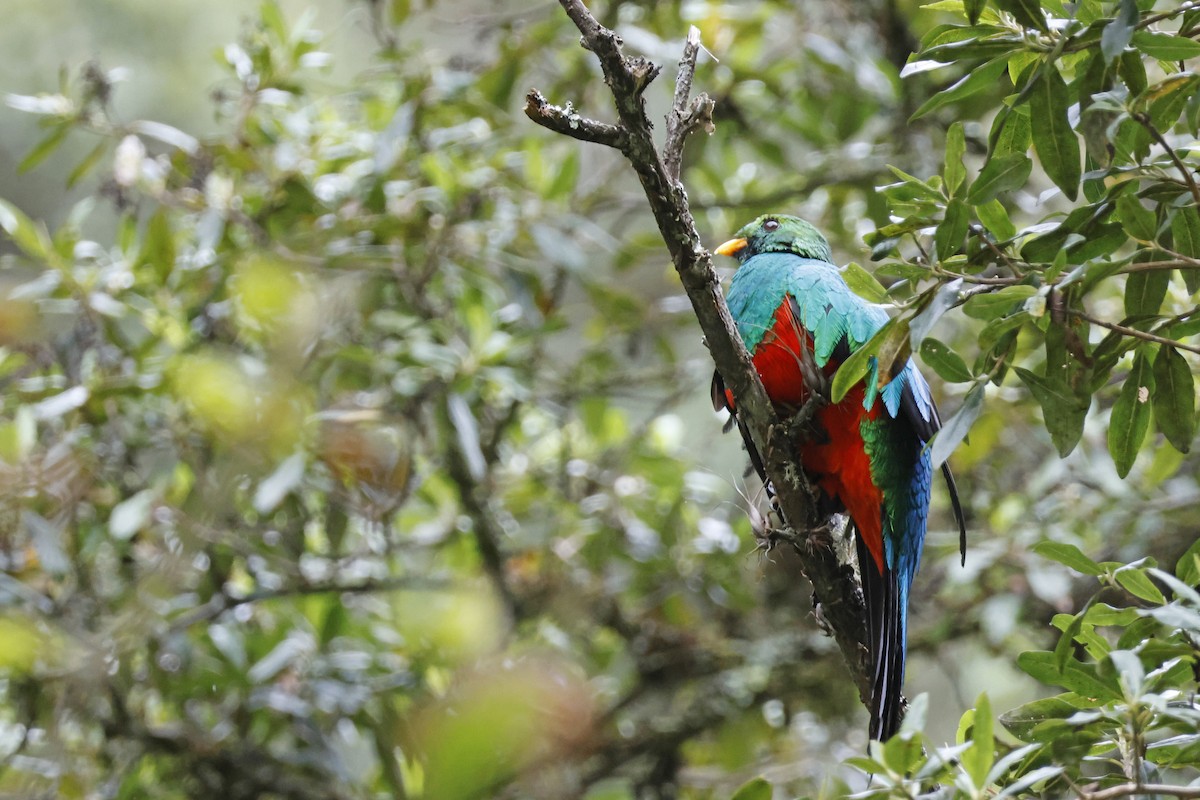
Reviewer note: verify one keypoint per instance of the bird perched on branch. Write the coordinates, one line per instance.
(866, 453)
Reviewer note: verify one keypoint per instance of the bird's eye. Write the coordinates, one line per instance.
(771, 225)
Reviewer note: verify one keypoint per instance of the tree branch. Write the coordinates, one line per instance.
(627, 77)
(1133, 788)
(569, 123)
(1134, 332)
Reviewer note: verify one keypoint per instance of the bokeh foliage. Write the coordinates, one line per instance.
(360, 450)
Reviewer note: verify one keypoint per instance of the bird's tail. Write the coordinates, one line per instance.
(886, 607)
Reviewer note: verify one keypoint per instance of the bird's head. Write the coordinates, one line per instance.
(777, 233)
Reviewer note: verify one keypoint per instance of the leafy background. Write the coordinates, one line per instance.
(355, 433)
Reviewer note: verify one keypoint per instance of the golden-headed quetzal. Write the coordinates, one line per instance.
(867, 453)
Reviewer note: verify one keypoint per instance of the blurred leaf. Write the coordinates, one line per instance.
(286, 477)
(31, 237)
(754, 789)
(87, 164)
(466, 430)
(132, 514)
(45, 147)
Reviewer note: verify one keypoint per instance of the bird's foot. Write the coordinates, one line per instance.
(819, 616)
(819, 538)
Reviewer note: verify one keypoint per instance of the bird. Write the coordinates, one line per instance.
(867, 453)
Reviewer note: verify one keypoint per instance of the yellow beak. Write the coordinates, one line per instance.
(731, 248)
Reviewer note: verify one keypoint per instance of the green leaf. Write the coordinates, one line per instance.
(1010, 132)
(45, 147)
(1027, 12)
(1117, 34)
(1021, 721)
(1174, 398)
(26, 234)
(754, 789)
(1185, 231)
(955, 429)
(863, 283)
(878, 354)
(1000, 174)
(1101, 614)
(1018, 787)
(975, 81)
(973, 8)
(954, 172)
(1137, 220)
(1063, 409)
(1130, 418)
(952, 230)
(977, 760)
(1054, 140)
(87, 164)
(1145, 291)
(999, 303)
(1065, 647)
(995, 218)
(1166, 46)
(944, 298)
(1077, 677)
(1068, 555)
(1187, 569)
(948, 364)
(1138, 583)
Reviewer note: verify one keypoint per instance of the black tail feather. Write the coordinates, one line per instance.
(958, 512)
(881, 595)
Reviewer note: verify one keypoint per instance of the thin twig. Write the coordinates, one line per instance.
(1133, 788)
(1150, 266)
(220, 603)
(1144, 121)
(685, 116)
(569, 123)
(1134, 332)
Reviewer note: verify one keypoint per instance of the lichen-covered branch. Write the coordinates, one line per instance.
(628, 77)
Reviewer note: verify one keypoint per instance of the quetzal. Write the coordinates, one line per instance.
(867, 453)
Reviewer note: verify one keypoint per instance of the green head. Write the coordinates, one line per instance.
(777, 233)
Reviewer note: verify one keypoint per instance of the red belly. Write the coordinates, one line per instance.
(837, 462)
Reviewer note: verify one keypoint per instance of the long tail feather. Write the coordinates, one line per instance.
(886, 610)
